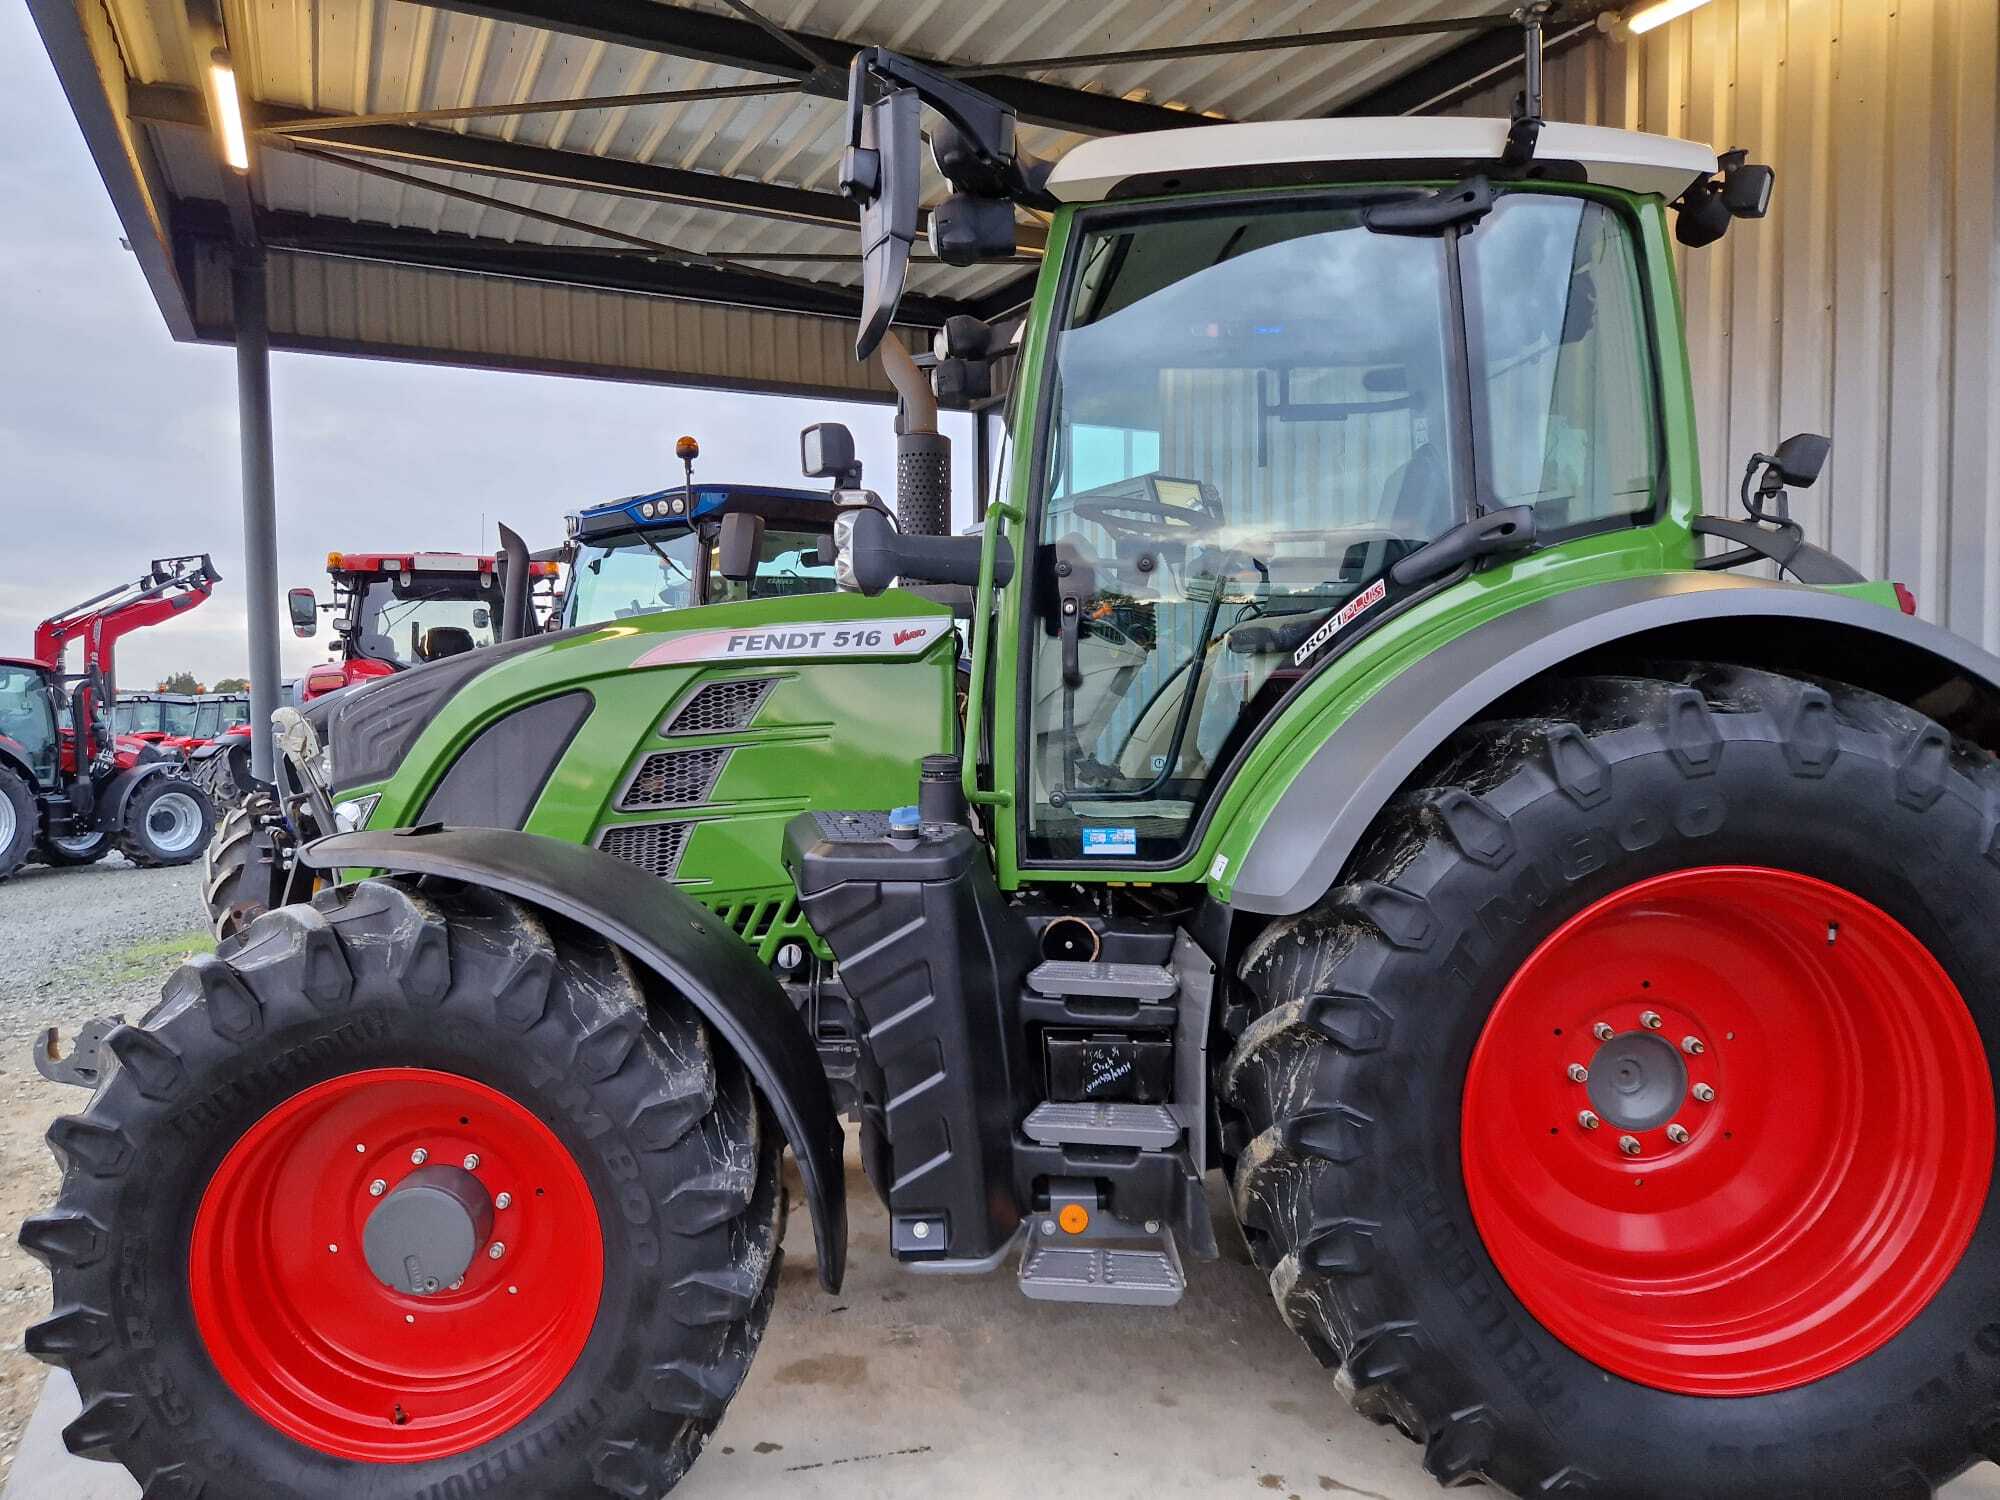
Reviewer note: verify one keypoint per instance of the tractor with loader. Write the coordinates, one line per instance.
(71, 790)
(1573, 948)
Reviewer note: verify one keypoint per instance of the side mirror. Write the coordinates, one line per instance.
(737, 546)
(1800, 457)
(305, 611)
(826, 451)
(879, 170)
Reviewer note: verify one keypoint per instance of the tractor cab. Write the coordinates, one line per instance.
(397, 610)
(664, 550)
(30, 716)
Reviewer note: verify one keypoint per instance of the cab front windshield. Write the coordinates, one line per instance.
(1256, 413)
(426, 620)
(623, 576)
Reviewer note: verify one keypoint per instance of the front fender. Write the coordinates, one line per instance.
(682, 942)
(1314, 827)
(111, 802)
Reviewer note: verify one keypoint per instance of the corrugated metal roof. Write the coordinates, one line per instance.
(370, 56)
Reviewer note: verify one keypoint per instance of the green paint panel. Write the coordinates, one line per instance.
(788, 732)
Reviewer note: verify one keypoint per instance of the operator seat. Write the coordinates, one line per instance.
(1416, 502)
(441, 641)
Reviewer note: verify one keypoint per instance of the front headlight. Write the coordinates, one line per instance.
(351, 815)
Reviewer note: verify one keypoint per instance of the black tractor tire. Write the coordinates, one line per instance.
(663, 1124)
(1354, 1026)
(235, 884)
(20, 821)
(224, 776)
(86, 851)
(168, 821)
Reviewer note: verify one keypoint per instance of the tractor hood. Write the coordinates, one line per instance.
(369, 728)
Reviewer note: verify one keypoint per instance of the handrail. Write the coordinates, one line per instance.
(982, 632)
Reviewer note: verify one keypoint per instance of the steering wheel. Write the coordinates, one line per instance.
(1140, 516)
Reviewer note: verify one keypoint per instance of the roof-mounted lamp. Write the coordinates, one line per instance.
(1651, 17)
(226, 107)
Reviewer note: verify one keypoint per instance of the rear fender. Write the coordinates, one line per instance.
(687, 946)
(1314, 827)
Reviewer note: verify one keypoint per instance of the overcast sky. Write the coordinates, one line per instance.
(118, 445)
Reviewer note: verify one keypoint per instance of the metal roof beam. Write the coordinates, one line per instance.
(1473, 65)
(624, 273)
(735, 43)
(161, 104)
(74, 40)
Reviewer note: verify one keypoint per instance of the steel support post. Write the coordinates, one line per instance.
(260, 520)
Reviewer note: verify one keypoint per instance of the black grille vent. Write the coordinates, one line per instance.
(674, 778)
(720, 707)
(654, 847)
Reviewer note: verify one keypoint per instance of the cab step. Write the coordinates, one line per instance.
(1055, 1267)
(1060, 976)
(1151, 1127)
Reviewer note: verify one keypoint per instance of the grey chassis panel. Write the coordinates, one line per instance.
(670, 934)
(1312, 832)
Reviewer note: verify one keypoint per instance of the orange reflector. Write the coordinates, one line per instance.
(1074, 1218)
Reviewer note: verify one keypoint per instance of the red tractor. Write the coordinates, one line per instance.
(393, 610)
(69, 791)
(183, 723)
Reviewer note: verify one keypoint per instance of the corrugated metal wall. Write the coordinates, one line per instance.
(1867, 306)
(337, 305)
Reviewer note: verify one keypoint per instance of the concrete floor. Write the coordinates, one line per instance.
(909, 1387)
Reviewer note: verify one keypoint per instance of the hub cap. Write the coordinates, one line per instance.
(8, 823)
(173, 822)
(396, 1265)
(1728, 1130)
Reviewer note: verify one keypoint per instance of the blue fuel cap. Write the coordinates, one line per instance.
(904, 819)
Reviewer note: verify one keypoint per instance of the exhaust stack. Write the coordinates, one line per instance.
(923, 454)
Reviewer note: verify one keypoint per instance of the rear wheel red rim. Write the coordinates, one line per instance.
(313, 1342)
(1728, 1130)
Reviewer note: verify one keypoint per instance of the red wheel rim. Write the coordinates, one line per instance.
(1821, 1196)
(316, 1345)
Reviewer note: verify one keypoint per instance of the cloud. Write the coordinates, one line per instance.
(118, 445)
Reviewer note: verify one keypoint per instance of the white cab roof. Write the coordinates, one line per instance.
(1616, 158)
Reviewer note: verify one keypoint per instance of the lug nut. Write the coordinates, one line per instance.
(1650, 1019)
(1629, 1144)
(1705, 1093)
(1693, 1046)
(496, 1250)
(377, 1188)
(419, 1156)
(472, 1163)
(505, 1200)
(1677, 1133)
(1578, 1073)
(1602, 1031)
(1588, 1119)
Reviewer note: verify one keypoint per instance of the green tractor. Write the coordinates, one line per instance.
(1575, 951)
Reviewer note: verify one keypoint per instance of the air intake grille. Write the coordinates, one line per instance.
(674, 778)
(720, 707)
(654, 847)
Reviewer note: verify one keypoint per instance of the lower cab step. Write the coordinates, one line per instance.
(1110, 1261)
(1152, 1127)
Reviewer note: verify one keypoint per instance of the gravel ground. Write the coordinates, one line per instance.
(74, 944)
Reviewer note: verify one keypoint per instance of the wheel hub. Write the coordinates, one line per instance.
(423, 1237)
(1637, 1081)
(396, 1265)
(1728, 1130)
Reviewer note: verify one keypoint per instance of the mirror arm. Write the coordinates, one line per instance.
(985, 127)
